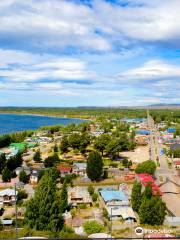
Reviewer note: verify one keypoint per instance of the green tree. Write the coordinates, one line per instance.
(22, 194)
(94, 166)
(56, 148)
(37, 156)
(64, 144)
(23, 177)
(136, 196)
(90, 189)
(148, 166)
(148, 191)
(2, 161)
(6, 175)
(91, 227)
(101, 142)
(14, 162)
(152, 211)
(113, 148)
(50, 161)
(74, 140)
(64, 197)
(95, 196)
(43, 211)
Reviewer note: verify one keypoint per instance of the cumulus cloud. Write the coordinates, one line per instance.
(105, 52)
(20, 66)
(65, 24)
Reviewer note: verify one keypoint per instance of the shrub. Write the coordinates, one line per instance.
(82, 206)
(95, 197)
(91, 227)
(90, 189)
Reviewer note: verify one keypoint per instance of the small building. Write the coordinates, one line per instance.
(79, 168)
(64, 169)
(7, 222)
(124, 213)
(175, 146)
(130, 176)
(79, 195)
(7, 196)
(34, 178)
(113, 197)
(177, 164)
(171, 130)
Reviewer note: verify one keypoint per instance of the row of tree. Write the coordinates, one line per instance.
(150, 208)
(7, 166)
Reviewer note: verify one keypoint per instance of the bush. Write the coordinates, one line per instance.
(22, 194)
(73, 212)
(90, 189)
(115, 165)
(82, 206)
(105, 213)
(23, 177)
(91, 227)
(148, 166)
(95, 197)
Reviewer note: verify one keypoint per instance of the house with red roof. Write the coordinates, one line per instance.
(177, 164)
(144, 179)
(64, 169)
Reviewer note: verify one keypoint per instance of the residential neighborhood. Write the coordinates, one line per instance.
(101, 182)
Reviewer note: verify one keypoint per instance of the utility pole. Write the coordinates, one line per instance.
(16, 226)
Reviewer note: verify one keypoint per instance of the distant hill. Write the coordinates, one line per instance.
(164, 106)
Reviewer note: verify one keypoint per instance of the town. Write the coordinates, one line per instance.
(102, 178)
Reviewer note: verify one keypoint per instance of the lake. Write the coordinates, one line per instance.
(14, 122)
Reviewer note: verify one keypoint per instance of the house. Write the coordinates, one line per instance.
(7, 196)
(79, 168)
(171, 130)
(64, 169)
(177, 164)
(130, 176)
(7, 222)
(124, 213)
(113, 197)
(79, 195)
(34, 178)
(27, 170)
(144, 179)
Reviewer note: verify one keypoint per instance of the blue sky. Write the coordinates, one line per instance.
(89, 52)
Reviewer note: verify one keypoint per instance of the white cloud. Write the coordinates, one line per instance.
(61, 24)
(154, 69)
(24, 67)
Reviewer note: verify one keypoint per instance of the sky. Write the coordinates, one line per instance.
(68, 53)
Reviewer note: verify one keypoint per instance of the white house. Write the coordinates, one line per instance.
(7, 196)
(79, 168)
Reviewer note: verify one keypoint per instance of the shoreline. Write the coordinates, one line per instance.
(45, 115)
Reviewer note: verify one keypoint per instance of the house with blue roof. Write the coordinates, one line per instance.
(114, 197)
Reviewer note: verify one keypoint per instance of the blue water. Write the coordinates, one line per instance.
(13, 122)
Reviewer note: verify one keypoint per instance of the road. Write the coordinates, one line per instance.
(155, 146)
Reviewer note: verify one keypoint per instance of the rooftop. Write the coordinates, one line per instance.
(109, 195)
